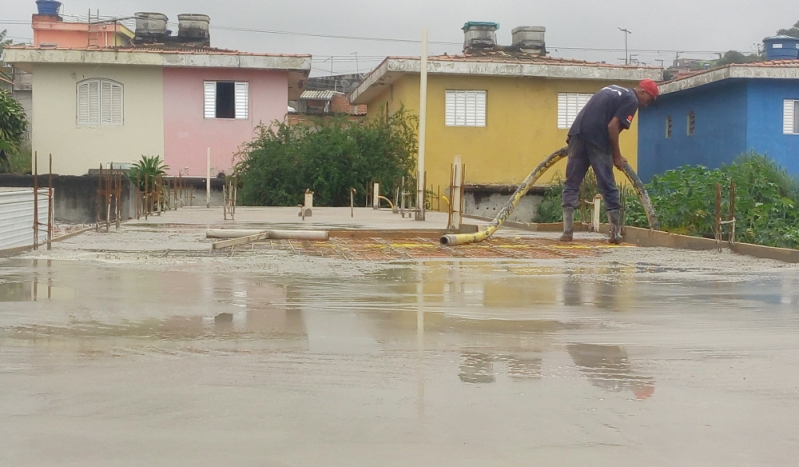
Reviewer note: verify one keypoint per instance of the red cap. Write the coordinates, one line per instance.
(650, 87)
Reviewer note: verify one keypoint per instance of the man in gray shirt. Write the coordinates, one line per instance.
(594, 142)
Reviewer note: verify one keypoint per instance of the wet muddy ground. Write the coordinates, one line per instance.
(114, 353)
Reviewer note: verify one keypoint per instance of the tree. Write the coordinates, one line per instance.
(3, 44)
(793, 32)
(13, 128)
(734, 56)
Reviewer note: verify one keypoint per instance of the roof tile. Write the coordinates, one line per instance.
(163, 49)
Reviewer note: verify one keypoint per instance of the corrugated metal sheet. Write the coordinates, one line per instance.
(318, 95)
(16, 217)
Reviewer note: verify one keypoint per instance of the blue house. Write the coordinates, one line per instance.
(713, 116)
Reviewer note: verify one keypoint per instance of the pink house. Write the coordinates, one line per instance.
(170, 96)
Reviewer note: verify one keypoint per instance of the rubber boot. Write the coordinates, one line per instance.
(568, 225)
(614, 219)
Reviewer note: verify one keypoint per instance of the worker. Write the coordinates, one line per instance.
(594, 141)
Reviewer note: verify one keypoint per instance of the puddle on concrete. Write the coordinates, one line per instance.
(406, 358)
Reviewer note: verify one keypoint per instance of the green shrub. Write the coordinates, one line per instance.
(766, 200)
(328, 157)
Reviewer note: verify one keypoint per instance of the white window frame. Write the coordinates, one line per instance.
(569, 106)
(465, 108)
(790, 117)
(241, 96)
(100, 102)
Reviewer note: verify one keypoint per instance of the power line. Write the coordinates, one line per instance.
(414, 41)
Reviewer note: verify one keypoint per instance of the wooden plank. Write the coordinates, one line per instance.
(240, 241)
(387, 233)
(767, 252)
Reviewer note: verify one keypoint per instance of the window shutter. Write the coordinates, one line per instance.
(117, 105)
(105, 102)
(795, 119)
(450, 105)
(480, 108)
(83, 104)
(562, 111)
(569, 106)
(242, 101)
(465, 108)
(460, 109)
(94, 103)
(788, 116)
(210, 99)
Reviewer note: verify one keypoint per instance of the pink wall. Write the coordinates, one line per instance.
(187, 134)
(50, 30)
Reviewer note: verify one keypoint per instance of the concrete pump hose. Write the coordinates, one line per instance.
(505, 212)
(638, 185)
(462, 239)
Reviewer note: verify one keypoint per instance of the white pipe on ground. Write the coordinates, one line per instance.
(321, 235)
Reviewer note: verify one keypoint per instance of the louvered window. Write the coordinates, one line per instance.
(569, 105)
(465, 108)
(227, 99)
(790, 117)
(100, 102)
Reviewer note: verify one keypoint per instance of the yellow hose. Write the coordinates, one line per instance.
(390, 204)
(504, 213)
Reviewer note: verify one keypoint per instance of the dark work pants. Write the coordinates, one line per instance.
(582, 155)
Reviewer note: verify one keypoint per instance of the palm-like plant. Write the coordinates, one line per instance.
(147, 169)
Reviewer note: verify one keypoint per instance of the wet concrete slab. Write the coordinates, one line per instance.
(330, 218)
(439, 362)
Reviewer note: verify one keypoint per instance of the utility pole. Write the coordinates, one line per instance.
(626, 33)
(420, 168)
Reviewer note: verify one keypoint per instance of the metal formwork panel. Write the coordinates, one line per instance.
(16, 217)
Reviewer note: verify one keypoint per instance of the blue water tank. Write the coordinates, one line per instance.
(48, 7)
(781, 48)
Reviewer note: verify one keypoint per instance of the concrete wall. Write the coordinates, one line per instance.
(75, 198)
(521, 126)
(187, 134)
(720, 128)
(765, 121)
(487, 204)
(76, 149)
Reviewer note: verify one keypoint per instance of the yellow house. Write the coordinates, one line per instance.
(502, 109)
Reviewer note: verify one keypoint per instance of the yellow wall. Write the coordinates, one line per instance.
(76, 149)
(521, 126)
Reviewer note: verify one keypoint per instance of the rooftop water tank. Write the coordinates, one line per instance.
(193, 27)
(781, 48)
(48, 7)
(150, 26)
(479, 35)
(529, 37)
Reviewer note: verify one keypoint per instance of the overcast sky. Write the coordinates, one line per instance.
(573, 26)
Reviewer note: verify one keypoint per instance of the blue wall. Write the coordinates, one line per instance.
(720, 129)
(764, 131)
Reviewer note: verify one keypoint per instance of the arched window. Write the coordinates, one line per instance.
(100, 102)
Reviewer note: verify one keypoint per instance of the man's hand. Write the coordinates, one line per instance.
(619, 161)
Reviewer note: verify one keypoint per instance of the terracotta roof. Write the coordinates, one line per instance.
(505, 63)
(165, 49)
(771, 64)
(774, 69)
(521, 57)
